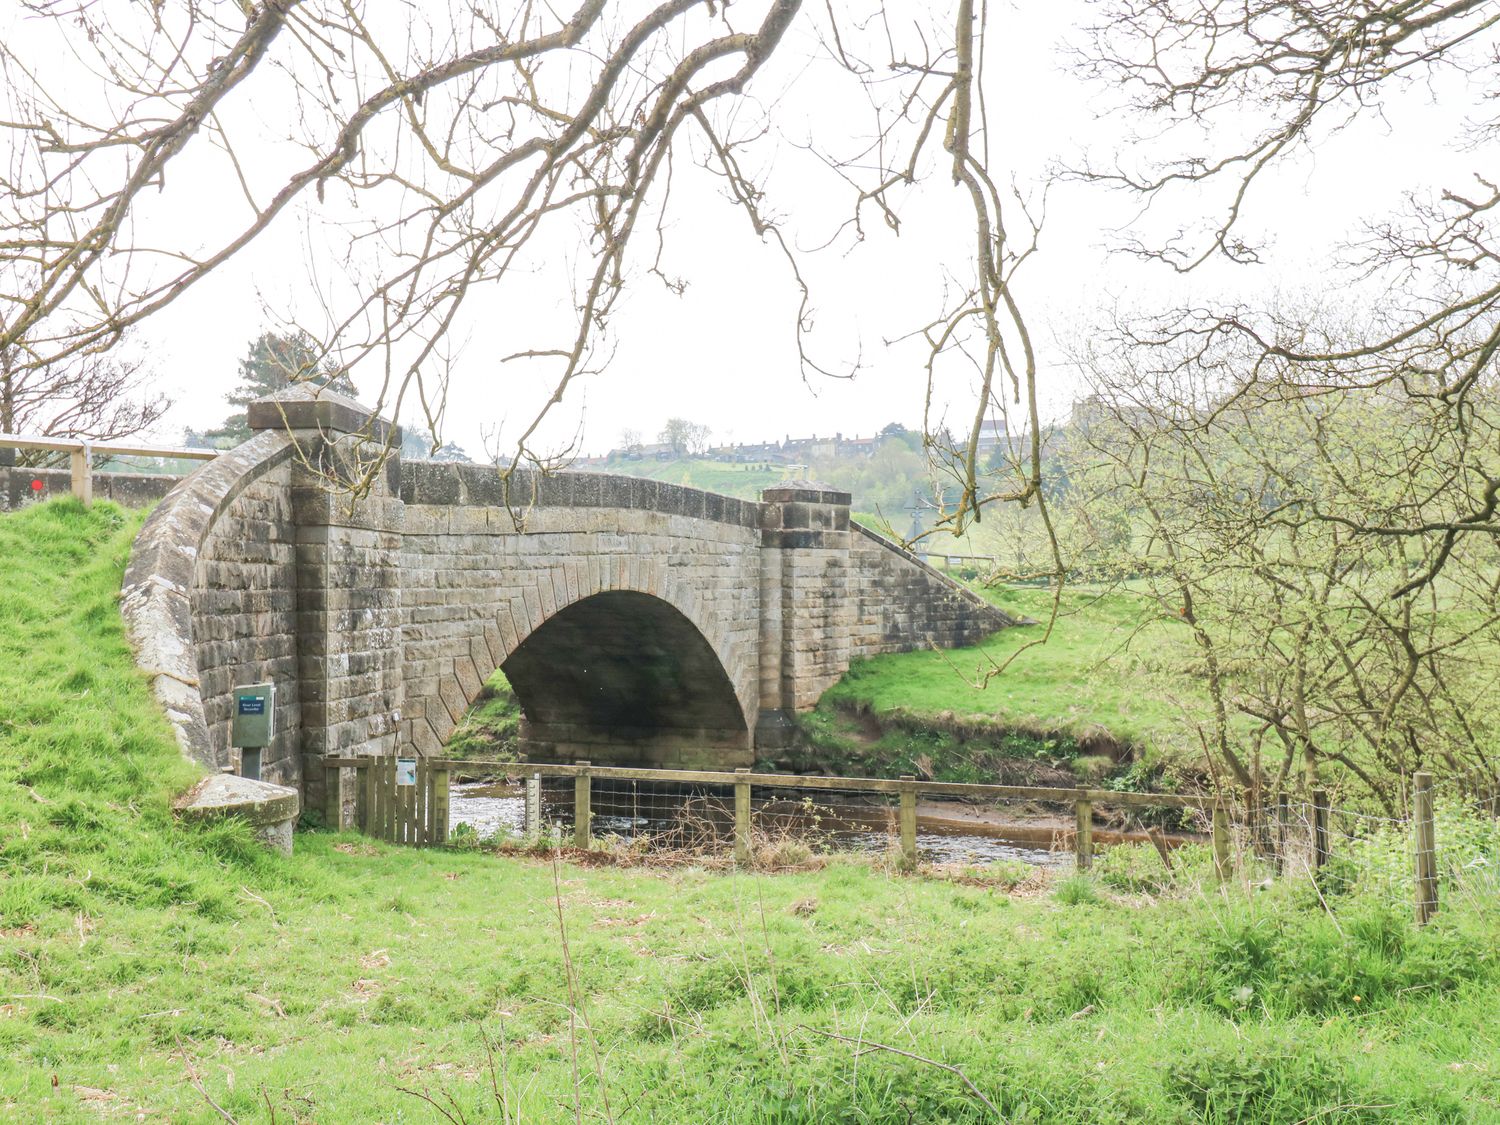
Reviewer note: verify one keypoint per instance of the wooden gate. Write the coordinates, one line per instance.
(402, 800)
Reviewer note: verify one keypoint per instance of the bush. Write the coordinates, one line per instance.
(1077, 891)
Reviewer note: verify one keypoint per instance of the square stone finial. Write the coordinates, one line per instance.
(305, 406)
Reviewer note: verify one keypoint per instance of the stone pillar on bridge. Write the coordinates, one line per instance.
(348, 544)
(807, 617)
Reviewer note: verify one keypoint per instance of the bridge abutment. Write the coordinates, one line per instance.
(806, 615)
(348, 582)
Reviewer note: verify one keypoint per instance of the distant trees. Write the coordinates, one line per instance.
(84, 395)
(630, 441)
(684, 437)
(273, 362)
(417, 445)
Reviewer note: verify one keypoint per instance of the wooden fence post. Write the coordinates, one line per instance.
(581, 813)
(333, 798)
(1320, 828)
(909, 820)
(81, 463)
(364, 797)
(1425, 838)
(742, 817)
(1083, 836)
(1281, 823)
(1221, 842)
(423, 801)
(440, 782)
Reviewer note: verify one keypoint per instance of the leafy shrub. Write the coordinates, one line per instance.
(1077, 891)
(1239, 1081)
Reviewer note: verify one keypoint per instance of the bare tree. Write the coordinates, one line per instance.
(85, 395)
(450, 149)
(1324, 652)
(685, 438)
(1226, 91)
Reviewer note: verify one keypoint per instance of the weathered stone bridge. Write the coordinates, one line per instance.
(637, 621)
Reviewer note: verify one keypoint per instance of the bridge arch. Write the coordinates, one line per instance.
(611, 660)
(622, 674)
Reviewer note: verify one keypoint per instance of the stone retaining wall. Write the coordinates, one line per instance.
(206, 594)
(129, 490)
(902, 603)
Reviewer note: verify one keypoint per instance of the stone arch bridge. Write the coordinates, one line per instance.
(638, 622)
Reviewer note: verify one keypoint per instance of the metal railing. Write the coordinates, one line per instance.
(81, 453)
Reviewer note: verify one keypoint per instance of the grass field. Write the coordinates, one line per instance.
(1082, 682)
(727, 477)
(152, 972)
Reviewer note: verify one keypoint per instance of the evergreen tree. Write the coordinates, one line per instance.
(274, 362)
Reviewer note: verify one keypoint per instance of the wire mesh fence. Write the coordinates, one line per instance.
(779, 821)
(1442, 846)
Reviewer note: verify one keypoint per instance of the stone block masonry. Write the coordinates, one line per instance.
(637, 621)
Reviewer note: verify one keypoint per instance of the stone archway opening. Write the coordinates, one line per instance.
(625, 678)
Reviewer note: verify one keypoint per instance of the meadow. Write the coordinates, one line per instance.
(150, 971)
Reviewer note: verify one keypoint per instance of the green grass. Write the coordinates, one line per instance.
(726, 477)
(491, 728)
(1081, 684)
(137, 956)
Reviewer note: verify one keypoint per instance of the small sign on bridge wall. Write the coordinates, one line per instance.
(406, 771)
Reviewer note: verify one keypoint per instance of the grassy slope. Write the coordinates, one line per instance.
(1080, 681)
(491, 728)
(322, 983)
(727, 477)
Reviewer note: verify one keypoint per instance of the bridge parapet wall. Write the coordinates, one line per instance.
(209, 601)
(488, 562)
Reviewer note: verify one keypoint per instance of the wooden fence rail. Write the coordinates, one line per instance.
(82, 452)
(406, 800)
(381, 808)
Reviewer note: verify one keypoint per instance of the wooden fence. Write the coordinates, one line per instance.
(403, 800)
(81, 454)
(381, 804)
(406, 800)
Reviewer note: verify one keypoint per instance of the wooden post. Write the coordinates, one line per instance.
(909, 820)
(81, 463)
(742, 817)
(364, 807)
(392, 798)
(1425, 838)
(413, 805)
(333, 798)
(533, 826)
(581, 812)
(377, 789)
(1221, 842)
(1281, 823)
(440, 806)
(424, 802)
(1083, 836)
(1320, 828)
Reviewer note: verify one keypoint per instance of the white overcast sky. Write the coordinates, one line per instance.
(722, 354)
